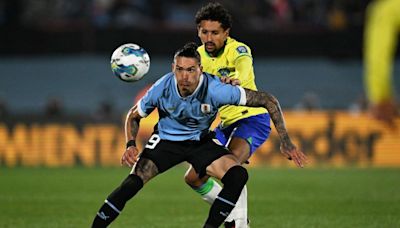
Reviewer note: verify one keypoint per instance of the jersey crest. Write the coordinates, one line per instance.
(205, 108)
(224, 72)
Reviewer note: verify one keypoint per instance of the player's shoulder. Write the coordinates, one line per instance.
(202, 51)
(237, 47)
(211, 79)
(220, 93)
(214, 83)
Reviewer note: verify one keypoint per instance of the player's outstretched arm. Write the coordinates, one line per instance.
(131, 153)
(268, 101)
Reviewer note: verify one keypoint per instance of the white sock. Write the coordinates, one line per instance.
(239, 212)
(209, 192)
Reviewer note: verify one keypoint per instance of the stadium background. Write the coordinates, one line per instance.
(60, 107)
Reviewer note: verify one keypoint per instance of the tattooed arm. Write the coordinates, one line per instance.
(132, 124)
(268, 101)
(132, 120)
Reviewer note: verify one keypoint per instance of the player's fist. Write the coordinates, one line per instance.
(130, 156)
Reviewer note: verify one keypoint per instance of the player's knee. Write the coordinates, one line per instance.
(193, 180)
(188, 178)
(235, 176)
(146, 169)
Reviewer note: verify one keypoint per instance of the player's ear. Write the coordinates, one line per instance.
(227, 31)
(198, 30)
(173, 66)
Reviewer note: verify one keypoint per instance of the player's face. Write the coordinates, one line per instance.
(212, 35)
(187, 73)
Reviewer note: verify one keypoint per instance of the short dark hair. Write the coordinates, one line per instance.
(189, 50)
(214, 11)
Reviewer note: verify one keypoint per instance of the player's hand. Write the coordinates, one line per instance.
(294, 154)
(386, 112)
(130, 156)
(232, 81)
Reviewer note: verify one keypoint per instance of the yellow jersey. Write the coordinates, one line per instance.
(380, 41)
(226, 64)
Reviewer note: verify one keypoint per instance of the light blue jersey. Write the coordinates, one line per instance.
(188, 118)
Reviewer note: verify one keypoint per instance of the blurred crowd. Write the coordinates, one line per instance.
(178, 14)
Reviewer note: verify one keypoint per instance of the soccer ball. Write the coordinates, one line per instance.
(130, 62)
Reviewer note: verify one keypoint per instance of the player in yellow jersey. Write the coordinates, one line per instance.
(242, 129)
(382, 29)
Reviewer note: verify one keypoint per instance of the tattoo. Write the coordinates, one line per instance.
(268, 101)
(145, 169)
(134, 127)
(132, 124)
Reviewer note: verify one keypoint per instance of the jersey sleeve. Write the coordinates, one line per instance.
(243, 68)
(240, 56)
(149, 101)
(380, 44)
(226, 94)
(240, 50)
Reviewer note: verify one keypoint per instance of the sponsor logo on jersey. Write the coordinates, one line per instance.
(250, 140)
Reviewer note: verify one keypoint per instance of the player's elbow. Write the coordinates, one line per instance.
(259, 99)
(133, 114)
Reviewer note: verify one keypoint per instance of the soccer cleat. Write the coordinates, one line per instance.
(233, 225)
(229, 224)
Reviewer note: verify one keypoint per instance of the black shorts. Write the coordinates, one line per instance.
(166, 154)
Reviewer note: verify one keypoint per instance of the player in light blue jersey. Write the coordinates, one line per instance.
(187, 101)
(188, 117)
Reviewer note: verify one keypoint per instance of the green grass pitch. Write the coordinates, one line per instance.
(278, 197)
